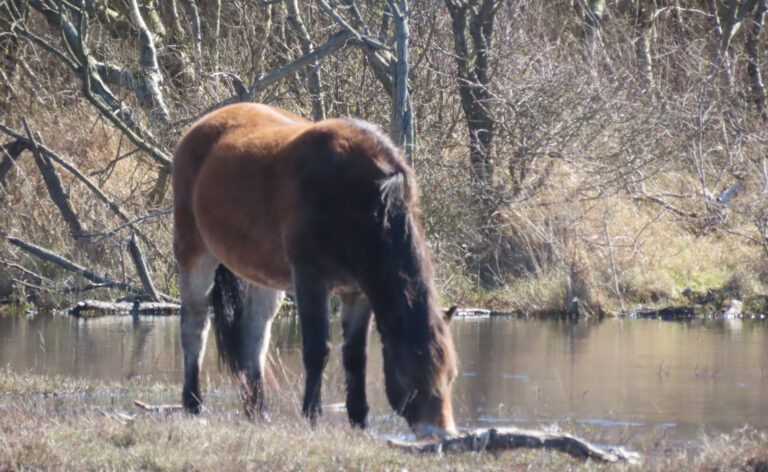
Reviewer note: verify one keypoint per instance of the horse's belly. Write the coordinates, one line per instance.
(237, 207)
(257, 261)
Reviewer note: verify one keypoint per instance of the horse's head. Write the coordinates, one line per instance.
(419, 374)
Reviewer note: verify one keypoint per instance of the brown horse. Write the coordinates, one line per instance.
(267, 202)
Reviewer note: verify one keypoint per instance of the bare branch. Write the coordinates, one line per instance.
(10, 151)
(402, 107)
(334, 43)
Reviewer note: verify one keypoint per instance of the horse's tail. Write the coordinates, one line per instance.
(227, 301)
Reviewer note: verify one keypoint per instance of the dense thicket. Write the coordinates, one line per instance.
(607, 151)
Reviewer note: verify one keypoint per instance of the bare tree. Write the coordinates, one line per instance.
(390, 67)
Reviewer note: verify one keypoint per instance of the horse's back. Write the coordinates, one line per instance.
(247, 178)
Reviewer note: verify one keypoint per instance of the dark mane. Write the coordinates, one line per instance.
(408, 255)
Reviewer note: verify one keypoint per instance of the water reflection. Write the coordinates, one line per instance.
(639, 375)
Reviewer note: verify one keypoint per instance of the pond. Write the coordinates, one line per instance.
(626, 376)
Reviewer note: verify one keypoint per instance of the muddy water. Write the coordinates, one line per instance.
(631, 376)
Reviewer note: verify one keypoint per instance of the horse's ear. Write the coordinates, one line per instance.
(450, 312)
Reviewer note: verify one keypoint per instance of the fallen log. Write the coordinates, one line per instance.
(500, 439)
(97, 308)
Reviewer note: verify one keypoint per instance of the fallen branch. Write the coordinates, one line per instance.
(500, 439)
(27, 143)
(62, 261)
(157, 408)
(28, 273)
(86, 308)
(55, 188)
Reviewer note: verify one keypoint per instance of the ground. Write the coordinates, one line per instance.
(52, 423)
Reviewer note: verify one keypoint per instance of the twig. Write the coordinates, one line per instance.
(130, 224)
(334, 43)
(660, 201)
(36, 287)
(93, 87)
(499, 439)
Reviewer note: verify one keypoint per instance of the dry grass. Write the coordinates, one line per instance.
(66, 424)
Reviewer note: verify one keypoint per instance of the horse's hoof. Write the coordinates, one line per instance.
(192, 403)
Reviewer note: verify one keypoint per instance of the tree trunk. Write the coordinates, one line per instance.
(473, 79)
(593, 16)
(644, 57)
(402, 107)
(753, 66)
(314, 84)
(735, 12)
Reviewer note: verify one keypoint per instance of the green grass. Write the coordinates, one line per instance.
(53, 423)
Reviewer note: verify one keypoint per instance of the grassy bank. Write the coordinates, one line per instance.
(68, 424)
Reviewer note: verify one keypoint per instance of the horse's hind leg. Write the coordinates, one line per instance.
(196, 278)
(312, 300)
(261, 305)
(355, 323)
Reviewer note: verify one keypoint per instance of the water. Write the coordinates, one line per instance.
(637, 377)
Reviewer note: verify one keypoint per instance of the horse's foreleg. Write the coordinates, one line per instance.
(262, 304)
(195, 283)
(355, 322)
(312, 300)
